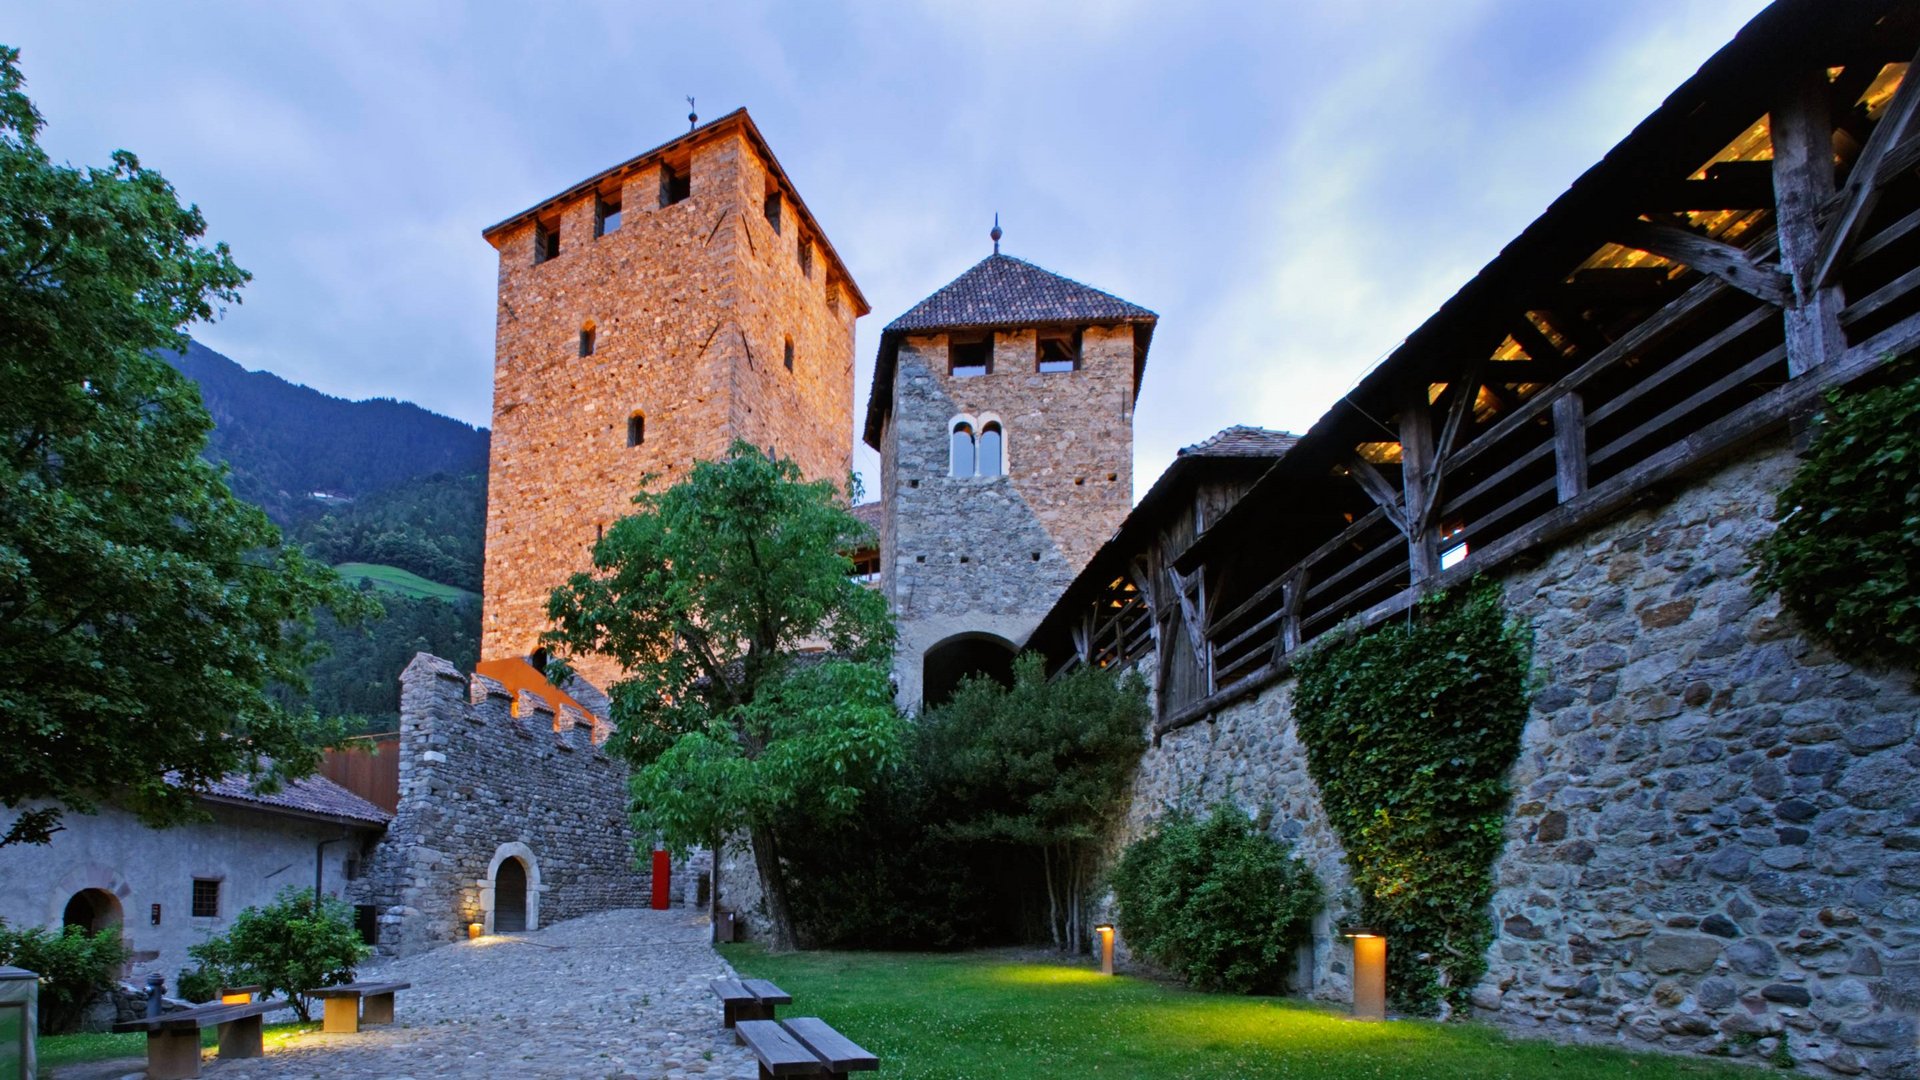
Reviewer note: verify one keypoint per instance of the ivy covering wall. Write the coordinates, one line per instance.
(1410, 730)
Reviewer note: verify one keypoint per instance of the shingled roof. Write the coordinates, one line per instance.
(1242, 441)
(309, 796)
(1002, 292)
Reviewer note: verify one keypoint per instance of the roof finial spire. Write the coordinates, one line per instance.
(996, 233)
(693, 118)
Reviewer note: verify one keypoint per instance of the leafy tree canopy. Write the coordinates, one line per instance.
(144, 610)
(710, 596)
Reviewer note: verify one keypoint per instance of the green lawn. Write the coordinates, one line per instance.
(54, 1051)
(986, 1015)
(405, 582)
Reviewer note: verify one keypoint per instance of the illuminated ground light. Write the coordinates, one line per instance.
(1105, 932)
(1369, 973)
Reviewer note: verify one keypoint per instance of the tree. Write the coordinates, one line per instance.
(289, 947)
(144, 610)
(1041, 764)
(710, 596)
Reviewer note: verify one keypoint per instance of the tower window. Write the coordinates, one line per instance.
(606, 215)
(771, 208)
(546, 243)
(586, 342)
(969, 355)
(1058, 352)
(636, 429)
(675, 186)
(992, 455)
(806, 257)
(789, 354)
(960, 456)
(206, 898)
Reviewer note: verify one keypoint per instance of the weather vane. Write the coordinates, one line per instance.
(693, 118)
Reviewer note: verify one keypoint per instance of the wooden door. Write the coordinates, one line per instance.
(510, 897)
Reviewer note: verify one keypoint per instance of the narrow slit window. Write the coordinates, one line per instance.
(993, 450)
(806, 256)
(586, 342)
(970, 355)
(675, 186)
(1059, 353)
(636, 429)
(789, 354)
(961, 456)
(771, 208)
(606, 215)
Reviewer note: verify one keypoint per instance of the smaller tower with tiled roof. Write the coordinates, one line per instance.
(1002, 408)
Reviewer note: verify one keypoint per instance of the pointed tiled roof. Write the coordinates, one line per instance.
(1241, 440)
(1001, 291)
(309, 796)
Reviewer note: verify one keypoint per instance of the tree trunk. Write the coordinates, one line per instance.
(773, 888)
(1053, 898)
(713, 883)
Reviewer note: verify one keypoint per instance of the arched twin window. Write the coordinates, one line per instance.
(977, 448)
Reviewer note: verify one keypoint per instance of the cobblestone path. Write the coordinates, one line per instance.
(619, 994)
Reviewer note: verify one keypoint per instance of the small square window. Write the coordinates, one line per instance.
(969, 355)
(206, 898)
(1058, 352)
(606, 215)
(675, 186)
(586, 343)
(546, 243)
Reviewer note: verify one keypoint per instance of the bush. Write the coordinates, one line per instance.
(1843, 556)
(286, 948)
(199, 985)
(74, 967)
(1218, 902)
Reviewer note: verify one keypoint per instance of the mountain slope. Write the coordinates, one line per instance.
(284, 442)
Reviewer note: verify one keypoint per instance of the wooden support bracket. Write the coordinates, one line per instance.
(1863, 184)
(1724, 261)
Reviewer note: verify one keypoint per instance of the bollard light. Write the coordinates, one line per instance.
(237, 995)
(473, 930)
(1369, 973)
(1105, 931)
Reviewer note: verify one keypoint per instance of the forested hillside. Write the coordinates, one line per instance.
(406, 490)
(284, 442)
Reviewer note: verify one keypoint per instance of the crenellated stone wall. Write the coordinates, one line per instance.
(1715, 837)
(479, 785)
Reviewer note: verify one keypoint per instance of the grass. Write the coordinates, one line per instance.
(978, 1015)
(405, 582)
(54, 1051)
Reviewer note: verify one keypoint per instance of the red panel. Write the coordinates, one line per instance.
(662, 880)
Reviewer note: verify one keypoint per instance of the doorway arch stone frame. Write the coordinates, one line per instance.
(92, 876)
(512, 849)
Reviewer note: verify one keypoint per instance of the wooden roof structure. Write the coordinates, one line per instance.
(1752, 243)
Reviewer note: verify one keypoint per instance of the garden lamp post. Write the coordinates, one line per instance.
(1369, 973)
(1105, 933)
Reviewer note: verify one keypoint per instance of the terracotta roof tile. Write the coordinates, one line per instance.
(1001, 290)
(869, 514)
(314, 795)
(1242, 441)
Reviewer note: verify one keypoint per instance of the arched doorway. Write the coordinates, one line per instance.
(92, 910)
(510, 897)
(954, 659)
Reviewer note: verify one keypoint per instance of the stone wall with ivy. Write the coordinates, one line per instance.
(1714, 840)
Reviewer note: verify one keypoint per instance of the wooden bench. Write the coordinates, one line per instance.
(173, 1039)
(343, 1009)
(748, 999)
(804, 1046)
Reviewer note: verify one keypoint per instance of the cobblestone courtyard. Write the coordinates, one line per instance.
(618, 994)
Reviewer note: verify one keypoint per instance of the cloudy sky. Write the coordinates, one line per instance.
(1293, 186)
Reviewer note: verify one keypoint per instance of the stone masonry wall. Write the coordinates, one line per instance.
(1715, 837)
(691, 305)
(478, 784)
(992, 554)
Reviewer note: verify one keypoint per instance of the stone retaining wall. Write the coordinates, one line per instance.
(1715, 837)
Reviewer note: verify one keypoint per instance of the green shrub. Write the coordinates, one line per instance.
(74, 967)
(286, 947)
(1217, 901)
(1843, 556)
(1410, 730)
(200, 984)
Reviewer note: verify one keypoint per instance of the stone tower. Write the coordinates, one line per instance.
(1002, 409)
(648, 316)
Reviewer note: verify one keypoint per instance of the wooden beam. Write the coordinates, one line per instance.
(1569, 446)
(1608, 287)
(1539, 346)
(1803, 182)
(1863, 183)
(1724, 261)
(1416, 480)
(1296, 584)
(1379, 490)
(1722, 193)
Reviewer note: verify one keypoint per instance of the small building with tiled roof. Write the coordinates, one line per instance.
(1002, 408)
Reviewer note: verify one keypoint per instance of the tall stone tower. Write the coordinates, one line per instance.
(648, 316)
(1002, 409)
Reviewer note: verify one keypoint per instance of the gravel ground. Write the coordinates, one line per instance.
(619, 994)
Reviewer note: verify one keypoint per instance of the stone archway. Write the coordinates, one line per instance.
(960, 656)
(93, 910)
(91, 892)
(523, 877)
